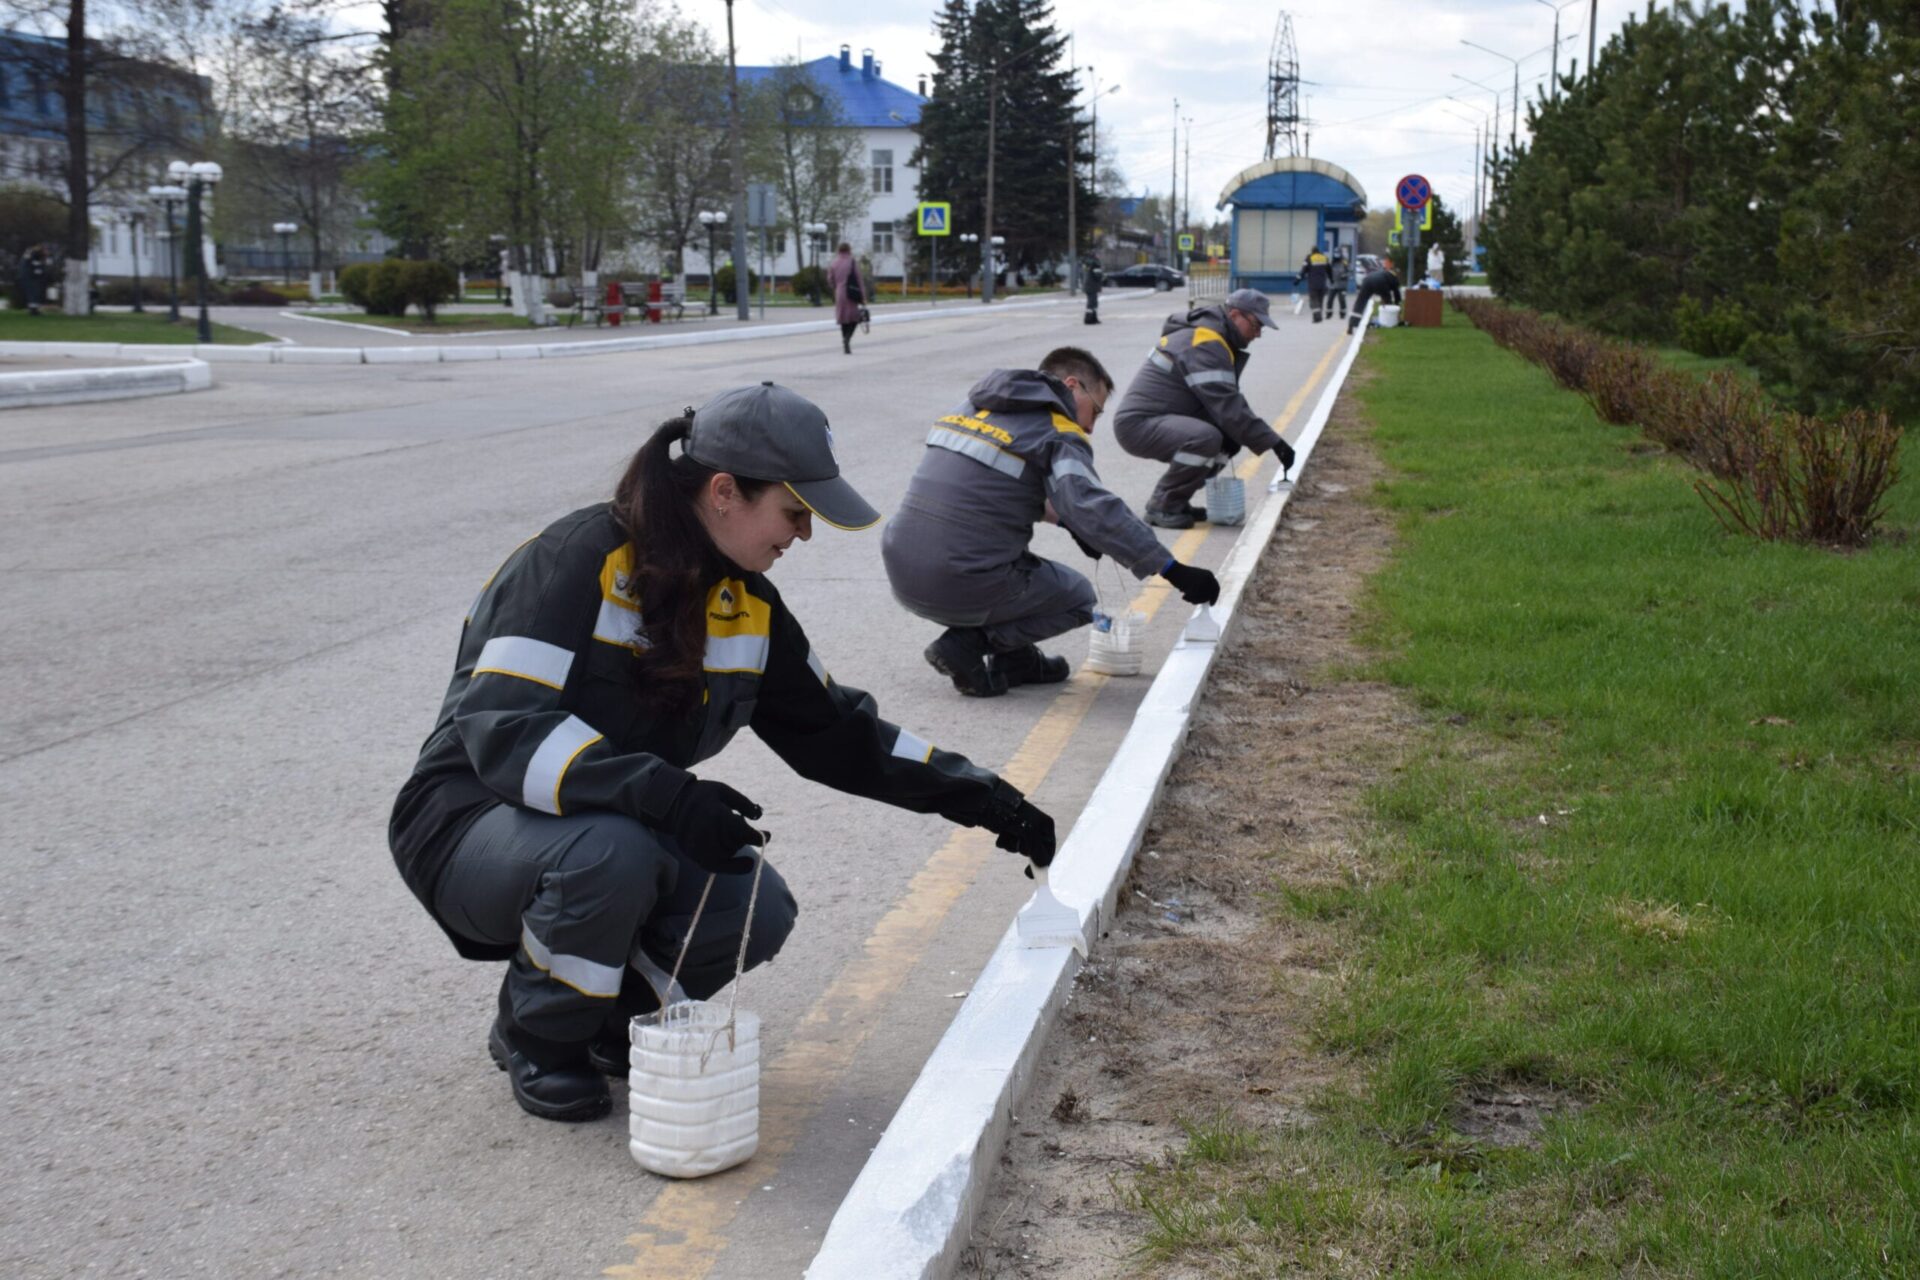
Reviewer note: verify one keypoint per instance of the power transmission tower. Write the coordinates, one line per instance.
(1283, 91)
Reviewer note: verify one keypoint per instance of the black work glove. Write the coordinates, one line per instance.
(1082, 543)
(1019, 826)
(1195, 585)
(1283, 451)
(707, 820)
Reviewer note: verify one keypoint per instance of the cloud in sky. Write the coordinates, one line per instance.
(1375, 73)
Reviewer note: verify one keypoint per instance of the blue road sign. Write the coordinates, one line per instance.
(935, 219)
(1414, 191)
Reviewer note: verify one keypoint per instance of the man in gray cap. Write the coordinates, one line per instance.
(1184, 407)
(1018, 451)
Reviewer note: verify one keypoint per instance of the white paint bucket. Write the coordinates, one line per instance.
(1116, 643)
(693, 1089)
(1226, 499)
(1389, 317)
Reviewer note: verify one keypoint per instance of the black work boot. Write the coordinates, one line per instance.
(1027, 665)
(608, 1051)
(960, 654)
(1180, 519)
(551, 1080)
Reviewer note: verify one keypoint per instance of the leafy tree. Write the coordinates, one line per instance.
(682, 150)
(806, 149)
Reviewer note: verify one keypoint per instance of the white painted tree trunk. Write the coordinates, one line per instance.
(73, 289)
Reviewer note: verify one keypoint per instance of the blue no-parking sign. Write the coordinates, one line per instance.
(1413, 191)
(935, 219)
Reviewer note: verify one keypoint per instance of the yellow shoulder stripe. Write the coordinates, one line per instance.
(1064, 424)
(1203, 334)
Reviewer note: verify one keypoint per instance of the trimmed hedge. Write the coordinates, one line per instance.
(389, 288)
(1771, 474)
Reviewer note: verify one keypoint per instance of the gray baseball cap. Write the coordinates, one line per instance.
(766, 432)
(1254, 303)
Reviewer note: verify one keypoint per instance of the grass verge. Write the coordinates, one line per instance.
(452, 322)
(1634, 984)
(49, 326)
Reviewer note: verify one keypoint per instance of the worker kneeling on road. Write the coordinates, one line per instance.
(551, 820)
(1020, 450)
(1382, 284)
(1184, 407)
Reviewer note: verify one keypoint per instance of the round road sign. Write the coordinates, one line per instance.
(1414, 191)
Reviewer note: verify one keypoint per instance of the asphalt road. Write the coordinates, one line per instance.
(235, 1045)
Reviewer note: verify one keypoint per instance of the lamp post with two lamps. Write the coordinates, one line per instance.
(284, 230)
(713, 220)
(1556, 39)
(816, 233)
(167, 195)
(1073, 180)
(199, 177)
(133, 227)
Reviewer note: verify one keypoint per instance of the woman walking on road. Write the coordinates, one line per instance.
(551, 820)
(849, 293)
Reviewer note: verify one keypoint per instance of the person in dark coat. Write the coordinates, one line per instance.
(849, 294)
(33, 279)
(1342, 275)
(1319, 274)
(1382, 284)
(1091, 278)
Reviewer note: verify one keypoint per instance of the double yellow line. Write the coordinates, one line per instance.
(680, 1236)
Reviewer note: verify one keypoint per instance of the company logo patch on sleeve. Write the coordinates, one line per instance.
(739, 628)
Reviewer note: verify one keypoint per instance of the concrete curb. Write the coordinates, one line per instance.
(292, 353)
(78, 386)
(911, 1211)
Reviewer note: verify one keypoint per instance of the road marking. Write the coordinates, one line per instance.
(1285, 420)
(680, 1236)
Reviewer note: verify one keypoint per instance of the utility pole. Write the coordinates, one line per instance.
(739, 177)
(986, 232)
(1593, 26)
(1186, 198)
(1173, 186)
(1073, 196)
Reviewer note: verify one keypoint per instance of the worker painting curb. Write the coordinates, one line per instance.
(77, 386)
(910, 1213)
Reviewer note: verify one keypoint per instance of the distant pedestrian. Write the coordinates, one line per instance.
(1091, 278)
(1342, 277)
(1382, 284)
(849, 294)
(33, 279)
(1319, 274)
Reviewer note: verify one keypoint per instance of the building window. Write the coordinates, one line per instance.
(882, 238)
(883, 172)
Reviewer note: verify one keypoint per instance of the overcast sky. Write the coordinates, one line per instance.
(1375, 73)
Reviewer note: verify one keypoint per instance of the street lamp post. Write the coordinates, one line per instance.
(199, 176)
(1073, 179)
(1513, 124)
(1493, 136)
(713, 220)
(968, 238)
(133, 224)
(168, 195)
(1556, 39)
(284, 230)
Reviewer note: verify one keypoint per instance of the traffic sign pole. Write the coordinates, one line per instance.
(933, 219)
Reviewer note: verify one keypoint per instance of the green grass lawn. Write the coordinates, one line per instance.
(118, 326)
(450, 322)
(1654, 865)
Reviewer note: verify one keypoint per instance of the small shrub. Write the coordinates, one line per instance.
(809, 280)
(119, 293)
(356, 285)
(724, 278)
(425, 285)
(255, 295)
(1717, 332)
(1567, 352)
(1730, 419)
(1620, 382)
(1811, 479)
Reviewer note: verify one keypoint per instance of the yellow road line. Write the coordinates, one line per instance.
(1285, 420)
(681, 1235)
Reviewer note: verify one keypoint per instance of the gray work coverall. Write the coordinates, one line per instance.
(956, 552)
(1184, 406)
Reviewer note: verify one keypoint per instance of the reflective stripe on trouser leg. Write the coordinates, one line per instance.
(1021, 603)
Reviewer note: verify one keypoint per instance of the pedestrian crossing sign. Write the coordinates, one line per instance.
(935, 219)
(1186, 243)
(1426, 218)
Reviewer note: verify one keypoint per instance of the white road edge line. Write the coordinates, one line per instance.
(911, 1211)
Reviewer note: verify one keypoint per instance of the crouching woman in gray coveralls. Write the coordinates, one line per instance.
(551, 820)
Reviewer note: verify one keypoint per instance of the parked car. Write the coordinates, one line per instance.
(1367, 262)
(1151, 275)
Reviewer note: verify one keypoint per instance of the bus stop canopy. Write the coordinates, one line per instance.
(1282, 209)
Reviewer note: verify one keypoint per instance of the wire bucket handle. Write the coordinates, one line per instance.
(759, 856)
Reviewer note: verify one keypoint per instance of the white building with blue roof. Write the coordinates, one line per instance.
(888, 117)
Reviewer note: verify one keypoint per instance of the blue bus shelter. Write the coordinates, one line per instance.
(1282, 210)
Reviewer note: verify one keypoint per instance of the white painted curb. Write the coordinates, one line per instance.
(911, 1211)
(80, 386)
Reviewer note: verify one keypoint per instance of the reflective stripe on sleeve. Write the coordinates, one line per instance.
(1208, 376)
(1074, 467)
(588, 977)
(529, 659)
(737, 653)
(979, 450)
(541, 787)
(819, 669)
(910, 746)
(1161, 361)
